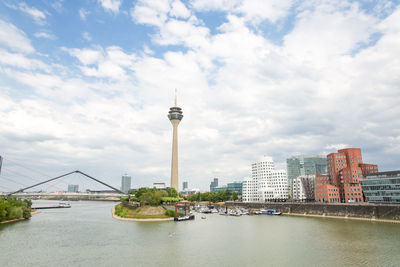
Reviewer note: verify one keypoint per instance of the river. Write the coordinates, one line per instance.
(87, 235)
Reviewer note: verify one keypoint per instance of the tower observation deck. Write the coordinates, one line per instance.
(175, 116)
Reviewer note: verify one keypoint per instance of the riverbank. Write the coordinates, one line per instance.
(364, 212)
(13, 220)
(139, 220)
(342, 218)
(33, 212)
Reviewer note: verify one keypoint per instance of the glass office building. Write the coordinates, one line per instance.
(73, 188)
(304, 165)
(235, 187)
(382, 187)
(125, 183)
(214, 184)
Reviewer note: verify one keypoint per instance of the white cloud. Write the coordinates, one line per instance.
(57, 5)
(182, 32)
(111, 5)
(326, 87)
(45, 35)
(152, 12)
(104, 64)
(14, 38)
(86, 36)
(83, 13)
(37, 15)
(21, 61)
(328, 31)
(211, 5)
(336, 147)
(171, 31)
(87, 56)
(252, 10)
(179, 10)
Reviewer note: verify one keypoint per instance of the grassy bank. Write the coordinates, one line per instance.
(146, 212)
(12, 209)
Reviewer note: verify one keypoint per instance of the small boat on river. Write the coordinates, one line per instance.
(270, 212)
(184, 218)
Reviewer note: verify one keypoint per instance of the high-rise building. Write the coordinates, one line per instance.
(125, 183)
(305, 165)
(73, 188)
(302, 188)
(214, 184)
(382, 187)
(342, 183)
(184, 186)
(266, 183)
(175, 116)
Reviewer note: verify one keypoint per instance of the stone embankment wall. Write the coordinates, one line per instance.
(366, 211)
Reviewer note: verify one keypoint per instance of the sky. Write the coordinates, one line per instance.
(87, 85)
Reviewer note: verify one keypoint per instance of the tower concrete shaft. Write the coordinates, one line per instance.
(174, 161)
(175, 116)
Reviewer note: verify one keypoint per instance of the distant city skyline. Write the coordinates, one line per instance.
(85, 85)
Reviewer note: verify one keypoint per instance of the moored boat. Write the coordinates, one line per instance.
(269, 212)
(184, 218)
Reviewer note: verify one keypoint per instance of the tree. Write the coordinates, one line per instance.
(172, 192)
(234, 196)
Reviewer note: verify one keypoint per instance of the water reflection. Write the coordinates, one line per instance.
(87, 235)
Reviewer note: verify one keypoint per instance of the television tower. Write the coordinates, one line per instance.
(175, 116)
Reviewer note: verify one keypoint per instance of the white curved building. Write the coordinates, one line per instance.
(266, 183)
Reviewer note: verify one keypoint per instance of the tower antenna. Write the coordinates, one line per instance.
(176, 91)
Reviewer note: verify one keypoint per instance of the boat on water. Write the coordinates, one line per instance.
(64, 205)
(184, 218)
(270, 212)
(234, 213)
(205, 210)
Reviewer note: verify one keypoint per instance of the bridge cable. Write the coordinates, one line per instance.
(28, 168)
(8, 179)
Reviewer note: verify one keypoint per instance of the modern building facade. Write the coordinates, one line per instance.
(184, 186)
(160, 186)
(342, 183)
(189, 192)
(73, 188)
(302, 188)
(175, 116)
(303, 165)
(266, 183)
(235, 187)
(382, 187)
(214, 184)
(219, 188)
(232, 187)
(125, 183)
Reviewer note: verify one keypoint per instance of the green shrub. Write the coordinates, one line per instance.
(171, 199)
(171, 213)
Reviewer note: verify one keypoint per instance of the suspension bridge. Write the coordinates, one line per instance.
(113, 194)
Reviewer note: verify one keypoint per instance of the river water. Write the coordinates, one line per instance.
(87, 235)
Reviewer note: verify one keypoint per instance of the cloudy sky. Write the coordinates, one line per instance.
(88, 84)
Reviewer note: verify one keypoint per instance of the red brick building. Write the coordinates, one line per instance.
(345, 169)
